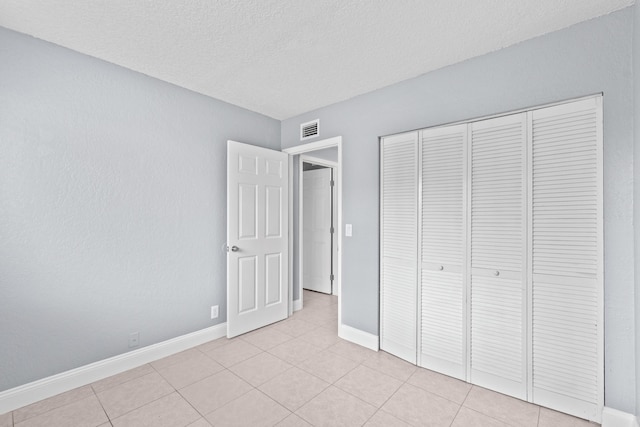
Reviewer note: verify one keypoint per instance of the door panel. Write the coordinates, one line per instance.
(317, 250)
(399, 244)
(566, 271)
(443, 216)
(257, 215)
(498, 254)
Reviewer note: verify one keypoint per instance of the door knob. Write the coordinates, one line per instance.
(441, 268)
(497, 273)
(234, 248)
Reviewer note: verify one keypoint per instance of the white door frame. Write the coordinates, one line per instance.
(334, 166)
(299, 150)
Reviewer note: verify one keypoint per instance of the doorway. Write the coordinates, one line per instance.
(314, 149)
(317, 222)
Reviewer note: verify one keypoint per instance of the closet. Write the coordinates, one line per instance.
(491, 253)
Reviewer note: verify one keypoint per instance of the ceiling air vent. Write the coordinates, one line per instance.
(310, 129)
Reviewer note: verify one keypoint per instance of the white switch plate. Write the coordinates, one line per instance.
(348, 230)
(214, 311)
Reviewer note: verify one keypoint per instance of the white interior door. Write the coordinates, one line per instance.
(316, 226)
(498, 254)
(443, 261)
(567, 262)
(257, 237)
(399, 245)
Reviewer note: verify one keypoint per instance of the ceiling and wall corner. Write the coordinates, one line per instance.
(282, 58)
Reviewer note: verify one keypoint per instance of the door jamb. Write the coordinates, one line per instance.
(299, 150)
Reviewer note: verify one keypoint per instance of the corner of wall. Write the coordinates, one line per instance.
(636, 193)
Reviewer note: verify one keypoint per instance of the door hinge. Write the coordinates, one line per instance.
(332, 183)
(332, 230)
(331, 278)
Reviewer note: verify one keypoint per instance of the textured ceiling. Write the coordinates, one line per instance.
(285, 57)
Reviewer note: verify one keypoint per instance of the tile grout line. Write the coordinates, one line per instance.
(52, 409)
(101, 405)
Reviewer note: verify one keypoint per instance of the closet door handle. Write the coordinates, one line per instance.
(497, 273)
(441, 268)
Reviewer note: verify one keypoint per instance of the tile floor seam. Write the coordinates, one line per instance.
(187, 385)
(101, 405)
(136, 408)
(190, 404)
(52, 409)
(124, 382)
(233, 400)
(346, 373)
(351, 394)
(466, 396)
(453, 420)
(439, 395)
(393, 394)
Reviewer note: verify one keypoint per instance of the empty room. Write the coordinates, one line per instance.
(319, 213)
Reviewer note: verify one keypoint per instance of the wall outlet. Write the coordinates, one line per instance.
(214, 311)
(134, 339)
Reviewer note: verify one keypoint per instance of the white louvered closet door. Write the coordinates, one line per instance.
(567, 267)
(399, 245)
(498, 254)
(442, 338)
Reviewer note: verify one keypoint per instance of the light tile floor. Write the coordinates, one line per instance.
(294, 373)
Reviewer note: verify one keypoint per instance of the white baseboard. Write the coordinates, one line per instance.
(614, 418)
(41, 389)
(297, 304)
(359, 337)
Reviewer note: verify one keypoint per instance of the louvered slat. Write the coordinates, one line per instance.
(443, 336)
(399, 245)
(498, 242)
(567, 257)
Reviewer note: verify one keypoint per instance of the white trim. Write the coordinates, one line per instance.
(46, 387)
(614, 418)
(359, 337)
(297, 305)
(318, 161)
(316, 145)
(290, 222)
(336, 141)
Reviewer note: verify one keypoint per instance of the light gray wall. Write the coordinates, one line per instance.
(112, 207)
(636, 189)
(591, 57)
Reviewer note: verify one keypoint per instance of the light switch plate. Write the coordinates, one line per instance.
(348, 230)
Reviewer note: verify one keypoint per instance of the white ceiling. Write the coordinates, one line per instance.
(285, 57)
